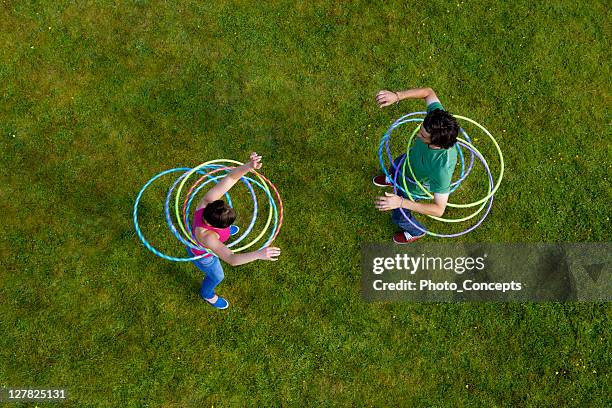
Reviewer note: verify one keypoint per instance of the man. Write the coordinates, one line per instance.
(432, 158)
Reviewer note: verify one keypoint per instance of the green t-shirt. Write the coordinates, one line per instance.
(432, 167)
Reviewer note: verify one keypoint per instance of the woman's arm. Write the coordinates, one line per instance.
(228, 181)
(223, 252)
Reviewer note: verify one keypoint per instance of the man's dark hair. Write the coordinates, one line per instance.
(218, 214)
(442, 127)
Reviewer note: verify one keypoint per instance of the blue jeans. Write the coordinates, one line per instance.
(396, 215)
(214, 274)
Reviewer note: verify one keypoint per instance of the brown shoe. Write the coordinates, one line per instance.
(403, 237)
(381, 181)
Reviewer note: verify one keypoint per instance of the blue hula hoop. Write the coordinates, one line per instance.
(384, 143)
(245, 180)
(248, 230)
(473, 227)
(253, 216)
(167, 209)
(137, 226)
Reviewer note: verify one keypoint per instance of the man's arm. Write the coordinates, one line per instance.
(392, 201)
(386, 98)
(436, 208)
(230, 180)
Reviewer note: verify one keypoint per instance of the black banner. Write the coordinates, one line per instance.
(435, 272)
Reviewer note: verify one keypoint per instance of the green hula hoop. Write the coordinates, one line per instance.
(471, 146)
(195, 169)
(475, 203)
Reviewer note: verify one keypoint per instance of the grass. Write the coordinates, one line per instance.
(98, 97)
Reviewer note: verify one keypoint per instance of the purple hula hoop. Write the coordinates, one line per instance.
(458, 233)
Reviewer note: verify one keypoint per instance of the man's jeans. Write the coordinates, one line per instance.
(396, 216)
(214, 274)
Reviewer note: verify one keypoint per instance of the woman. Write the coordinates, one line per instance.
(211, 225)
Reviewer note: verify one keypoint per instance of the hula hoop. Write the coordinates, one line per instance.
(401, 121)
(169, 218)
(137, 226)
(274, 212)
(182, 184)
(453, 220)
(281, 208)
(405, 161)
(173, 229)
(473, 227)
(385, 143)
(472, 149)
(272, 205)
(475, 203)
(191, 194)
(264, 181)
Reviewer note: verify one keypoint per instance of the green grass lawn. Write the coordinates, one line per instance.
(97, 97)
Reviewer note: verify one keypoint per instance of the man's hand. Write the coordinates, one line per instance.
(386, 98)
(389, 202)
(269, 253)
(254, 161)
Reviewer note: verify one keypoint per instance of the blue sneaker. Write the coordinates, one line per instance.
(234, 229)
(220, 304)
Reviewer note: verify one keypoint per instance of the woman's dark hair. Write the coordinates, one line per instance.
(218, 214)
(442, 127)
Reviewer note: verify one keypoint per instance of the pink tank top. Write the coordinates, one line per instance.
(198, 222)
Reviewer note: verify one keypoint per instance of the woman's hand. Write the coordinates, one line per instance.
(269, 253)
(386, 98)
(389, 202)
(254, 162)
